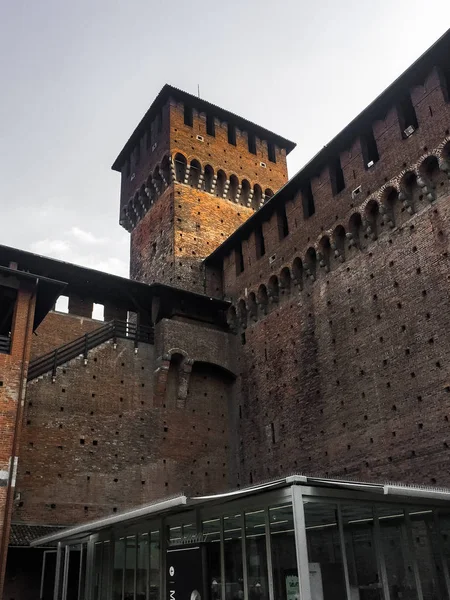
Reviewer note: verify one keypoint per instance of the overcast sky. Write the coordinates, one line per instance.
(77, 76)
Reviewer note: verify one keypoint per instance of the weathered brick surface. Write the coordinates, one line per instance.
(58, 329)
(13, 369)
(96, 441)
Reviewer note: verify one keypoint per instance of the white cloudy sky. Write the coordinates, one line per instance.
(78, 76)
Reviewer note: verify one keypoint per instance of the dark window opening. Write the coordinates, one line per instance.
(239, 260)
(260, 244)
(231, 134)
(127, 168)
(337, 176)
(188, 116)
(159, 120)
(407, 116)
(444, 76)
(8, 298)
(308, 201)
(271, 152)
(369, 149)
(149, 138)
(210, 125)
(137, 154)
(283, 225)
(252, 143)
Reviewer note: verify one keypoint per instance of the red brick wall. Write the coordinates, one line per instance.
(146, 447)
(58, 329)
(397, 156)
(13, 368)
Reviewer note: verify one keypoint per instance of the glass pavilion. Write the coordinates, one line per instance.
(298, 538)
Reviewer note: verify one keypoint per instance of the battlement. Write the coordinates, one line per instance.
(186, 139)
(372, 173)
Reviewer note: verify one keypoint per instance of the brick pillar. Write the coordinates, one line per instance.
(82, 307)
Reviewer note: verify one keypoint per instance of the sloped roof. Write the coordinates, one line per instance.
(22, 534)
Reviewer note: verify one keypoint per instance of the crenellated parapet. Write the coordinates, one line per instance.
(390, 207)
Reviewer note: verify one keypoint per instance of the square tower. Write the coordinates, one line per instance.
(192, 173)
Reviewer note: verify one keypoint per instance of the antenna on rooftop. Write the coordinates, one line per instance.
(198, 89)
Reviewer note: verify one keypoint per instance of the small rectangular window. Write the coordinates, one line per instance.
(337, 176)
(407, 117)
(259, 241)
(188, 116)
(210, 125)
(283, 225)
(271, 152)
(251, 143)
(308, 201)
(231, 134)
(369, 149)
(239, 260)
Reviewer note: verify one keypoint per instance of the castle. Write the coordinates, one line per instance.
(269, 325)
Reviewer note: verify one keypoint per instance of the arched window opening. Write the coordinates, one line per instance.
(194, 173)
(233, 188)
(273, 289)
(262, 298)
(354, 230)
(444, 163)
(432, 178)
(257, 197)
(232, 319)
(208, 178)
(165, 170)
(410, 192)
(220, 183)
(245, 193)
(297, 272)
(252, 306)
(325, 253)
(285, 281)
(157, 179)
(391, 209)
(338, 244)
(242, 313)
(180, 167)
(268, 193)
(372, 214)
(311, 263)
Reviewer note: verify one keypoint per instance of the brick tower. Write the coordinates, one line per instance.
(192, 173)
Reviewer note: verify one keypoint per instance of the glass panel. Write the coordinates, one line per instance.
(363, 568)
(73, 574)
(154, 566)
(119, 562)
(326, 570)
(284, 555)
(83, 572)
(234, 578)
(97, 575)
(142, 574)
(211, 531)
(189, 529)
(255, 537)
(175, 534)
(420, 525)
(130, 566)
(442, 548)
(105, 571)
(397, 554)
